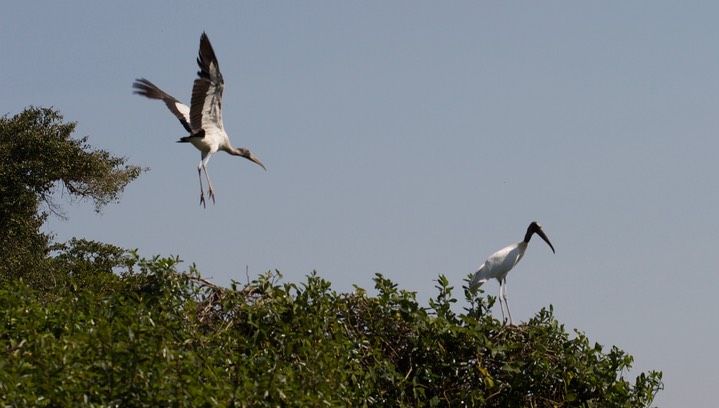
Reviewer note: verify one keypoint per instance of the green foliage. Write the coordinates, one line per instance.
(37, 160)
(150, 336)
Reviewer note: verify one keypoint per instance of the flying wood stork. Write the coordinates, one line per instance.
(499, 264)
(203, 119)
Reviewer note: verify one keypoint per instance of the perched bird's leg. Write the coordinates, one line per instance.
(501, 305)
(202, 192)
(504, 291)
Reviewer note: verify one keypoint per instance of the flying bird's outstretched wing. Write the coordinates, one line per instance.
(181, 111)
(206, 103)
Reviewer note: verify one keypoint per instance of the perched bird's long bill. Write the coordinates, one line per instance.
(544, 237)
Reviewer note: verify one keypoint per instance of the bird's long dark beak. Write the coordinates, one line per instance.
(256, 160)
(544, 237)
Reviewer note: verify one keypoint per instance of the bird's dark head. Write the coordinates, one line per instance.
(247, 155)
(535, 228)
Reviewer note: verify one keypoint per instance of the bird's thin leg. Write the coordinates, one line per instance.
(507, 304)
(501, 306)
(210, 190)
(202, 191)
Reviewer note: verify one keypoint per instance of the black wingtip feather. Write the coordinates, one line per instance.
(206, 56)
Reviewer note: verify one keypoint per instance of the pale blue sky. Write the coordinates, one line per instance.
(413, 139)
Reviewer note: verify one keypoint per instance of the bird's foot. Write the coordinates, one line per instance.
(511, 325)
(212, 195)
(202, 199)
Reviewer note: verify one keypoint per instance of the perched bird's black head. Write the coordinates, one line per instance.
(535, 228)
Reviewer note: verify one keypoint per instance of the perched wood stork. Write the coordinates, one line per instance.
(203, 119)
(499, 264)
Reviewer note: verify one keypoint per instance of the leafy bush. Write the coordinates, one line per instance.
(153, 336)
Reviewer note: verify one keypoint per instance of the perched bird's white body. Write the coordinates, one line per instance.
(203, 119)
(498, 265)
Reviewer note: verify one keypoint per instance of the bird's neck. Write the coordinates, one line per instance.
(238, 151)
